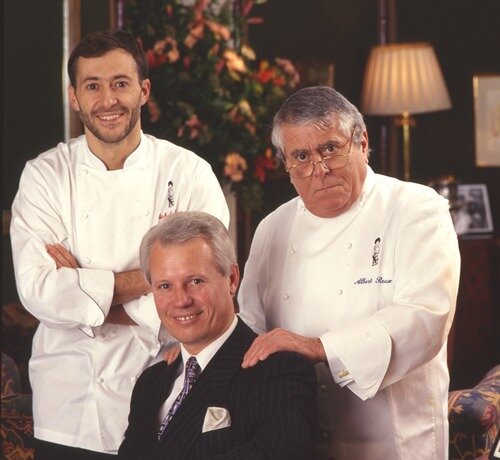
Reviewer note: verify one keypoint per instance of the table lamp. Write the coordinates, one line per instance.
(403, 79)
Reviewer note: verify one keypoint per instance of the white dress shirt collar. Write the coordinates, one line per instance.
(205, 355)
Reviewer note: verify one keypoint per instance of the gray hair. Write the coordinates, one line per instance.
(319, 106)
(182, 227)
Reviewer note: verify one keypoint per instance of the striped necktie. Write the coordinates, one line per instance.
(193, 370)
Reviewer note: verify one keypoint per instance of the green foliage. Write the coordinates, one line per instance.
(209, 92)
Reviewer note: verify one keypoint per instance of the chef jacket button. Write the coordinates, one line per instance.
(340, 292)
(85, 171)
(303, 208)
(349, 246)
(85, 215)
(133, 378)
(292, 250)
(101, 337)
(88, 260)
(322, 387)
(147, 212)
(99, 380)
(286, 296)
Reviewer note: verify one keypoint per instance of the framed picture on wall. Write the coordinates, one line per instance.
(473, 215)
(487, 119)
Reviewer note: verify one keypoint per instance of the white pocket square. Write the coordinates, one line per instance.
(215, 419)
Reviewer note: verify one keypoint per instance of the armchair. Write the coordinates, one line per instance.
(474, 418)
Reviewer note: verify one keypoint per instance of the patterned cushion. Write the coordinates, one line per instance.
(17, 427)
(17, 418)
(474, 417)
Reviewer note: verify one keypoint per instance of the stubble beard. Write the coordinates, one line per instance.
(111, 138)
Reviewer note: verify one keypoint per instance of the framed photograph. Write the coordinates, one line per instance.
(473, 214)
(487, 119)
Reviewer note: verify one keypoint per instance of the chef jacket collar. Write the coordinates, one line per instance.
(137, 157)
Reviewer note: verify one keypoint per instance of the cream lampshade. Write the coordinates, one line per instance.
(403, 79)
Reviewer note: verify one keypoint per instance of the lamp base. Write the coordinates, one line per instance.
(406, 122)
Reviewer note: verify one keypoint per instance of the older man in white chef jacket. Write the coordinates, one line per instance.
(77, 223)
(360, 274)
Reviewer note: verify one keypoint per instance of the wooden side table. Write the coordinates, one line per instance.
(472, 339)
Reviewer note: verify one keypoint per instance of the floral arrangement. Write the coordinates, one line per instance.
(209, 92)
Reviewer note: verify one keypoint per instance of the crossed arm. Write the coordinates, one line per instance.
(128, 285)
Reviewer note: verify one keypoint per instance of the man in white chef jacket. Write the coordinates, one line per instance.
(360, 274)
(77, 223)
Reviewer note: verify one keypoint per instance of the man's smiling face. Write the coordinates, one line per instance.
(108, 95)
(193, 299)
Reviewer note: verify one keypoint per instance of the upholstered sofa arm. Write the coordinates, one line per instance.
(473, 416)
(477, 409)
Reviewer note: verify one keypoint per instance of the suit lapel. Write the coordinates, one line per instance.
(209, 390)
(157, 392)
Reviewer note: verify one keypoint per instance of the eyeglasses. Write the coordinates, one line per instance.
(305, 164)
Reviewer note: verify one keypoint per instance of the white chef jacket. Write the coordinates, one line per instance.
(378, 286)
(82, 370)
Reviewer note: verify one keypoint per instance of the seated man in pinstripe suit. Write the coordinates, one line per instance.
(214, 409)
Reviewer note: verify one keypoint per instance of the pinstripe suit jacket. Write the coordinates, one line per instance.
(272, 408)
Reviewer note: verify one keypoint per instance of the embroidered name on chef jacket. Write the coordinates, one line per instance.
(375, 261)
(377, 280)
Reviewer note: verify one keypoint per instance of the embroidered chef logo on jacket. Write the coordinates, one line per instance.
(170, 194)
(170, 201)
(376, 250)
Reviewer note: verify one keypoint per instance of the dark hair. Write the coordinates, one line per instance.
(97, 44)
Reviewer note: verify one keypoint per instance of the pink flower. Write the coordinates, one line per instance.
(219, 66)
(255, 20)
(165, 50)
(234, 62)
(196, 32)
(247, 6)
(221, 32)
(242, 112)
(289, 69)
(265, 73)
(153, 109)
(200, 6)
(194, 125)
(154, 60)
(235, 166)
